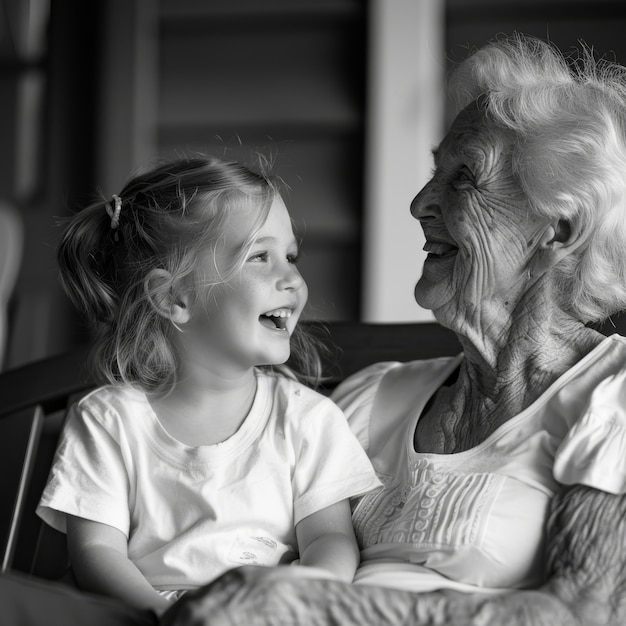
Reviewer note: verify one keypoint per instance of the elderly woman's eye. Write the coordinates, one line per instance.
(464, 176)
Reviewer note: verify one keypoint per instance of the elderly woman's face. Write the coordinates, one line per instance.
(479, 231)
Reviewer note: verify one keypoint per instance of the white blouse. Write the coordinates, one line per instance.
(475, 520)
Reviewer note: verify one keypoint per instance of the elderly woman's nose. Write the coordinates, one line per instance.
(426, 203)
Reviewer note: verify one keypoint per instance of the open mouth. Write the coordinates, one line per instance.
(276, 319)
(439, 249)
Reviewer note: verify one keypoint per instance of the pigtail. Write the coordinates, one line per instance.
(85, 256)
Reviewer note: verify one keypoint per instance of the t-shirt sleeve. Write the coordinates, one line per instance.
(88, 477)
(593, 452)
(330, 464)
(355, 397)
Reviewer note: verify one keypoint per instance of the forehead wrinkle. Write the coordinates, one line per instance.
(457, 144)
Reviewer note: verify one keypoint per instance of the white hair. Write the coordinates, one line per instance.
(569, 156)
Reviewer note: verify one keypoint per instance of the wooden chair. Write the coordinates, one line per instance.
(11, 244)
(34, 399)
(33, 402)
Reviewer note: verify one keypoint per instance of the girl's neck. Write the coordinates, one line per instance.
(206, 410)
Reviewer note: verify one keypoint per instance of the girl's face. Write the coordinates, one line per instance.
(249, 320)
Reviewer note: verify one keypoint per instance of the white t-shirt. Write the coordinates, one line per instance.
(475, 521)
(191, 513)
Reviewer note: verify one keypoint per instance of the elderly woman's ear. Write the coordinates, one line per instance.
(557, 241)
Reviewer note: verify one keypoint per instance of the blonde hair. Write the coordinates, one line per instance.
(569, 155)
(169, 215)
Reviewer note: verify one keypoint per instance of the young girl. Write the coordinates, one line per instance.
(192, 459)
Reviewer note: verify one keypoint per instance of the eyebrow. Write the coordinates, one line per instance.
(270, 239)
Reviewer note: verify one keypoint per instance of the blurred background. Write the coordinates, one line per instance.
(346, 96)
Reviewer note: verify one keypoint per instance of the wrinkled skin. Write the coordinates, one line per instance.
(487, 277)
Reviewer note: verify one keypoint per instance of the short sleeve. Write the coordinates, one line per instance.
(330, 464)
(593, 452)
(88, 477)
(355, 397)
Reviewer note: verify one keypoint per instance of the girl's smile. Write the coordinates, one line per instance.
(277, 319)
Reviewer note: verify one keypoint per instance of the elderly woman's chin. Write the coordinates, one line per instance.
(435, 287)
(429, 294)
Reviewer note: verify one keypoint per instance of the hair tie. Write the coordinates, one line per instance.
(114, 214)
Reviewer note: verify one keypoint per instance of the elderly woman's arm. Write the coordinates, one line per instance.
(587, 585)
(587, 555)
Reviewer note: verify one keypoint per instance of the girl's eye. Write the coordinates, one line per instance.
(259, 257)
(293, 258)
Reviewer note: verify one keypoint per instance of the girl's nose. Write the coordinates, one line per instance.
(290, 278)
(425, 205)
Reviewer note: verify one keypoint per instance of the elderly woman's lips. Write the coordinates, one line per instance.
(439, 249)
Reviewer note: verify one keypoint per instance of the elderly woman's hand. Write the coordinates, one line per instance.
(231, 599)
(253, 595)
(248, 595)
(276, 597)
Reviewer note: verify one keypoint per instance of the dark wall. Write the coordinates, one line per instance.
(42, 322)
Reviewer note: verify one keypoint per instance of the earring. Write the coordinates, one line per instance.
(177, 327)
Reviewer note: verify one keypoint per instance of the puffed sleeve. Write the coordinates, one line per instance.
(593, 452)
(330, 463)
(355, 397)
(88, 477)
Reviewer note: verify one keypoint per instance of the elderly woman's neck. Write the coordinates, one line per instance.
(532, 349)
(499, 378)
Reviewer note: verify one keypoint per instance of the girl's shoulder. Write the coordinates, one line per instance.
(281, 385)
(114, 394)
(112, 402)
(294, 404)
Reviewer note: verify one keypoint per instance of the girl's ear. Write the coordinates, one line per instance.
(165, 296)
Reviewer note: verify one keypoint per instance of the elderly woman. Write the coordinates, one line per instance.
(504, 469)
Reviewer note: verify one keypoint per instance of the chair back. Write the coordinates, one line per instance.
(11, 244)
(33, 402)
